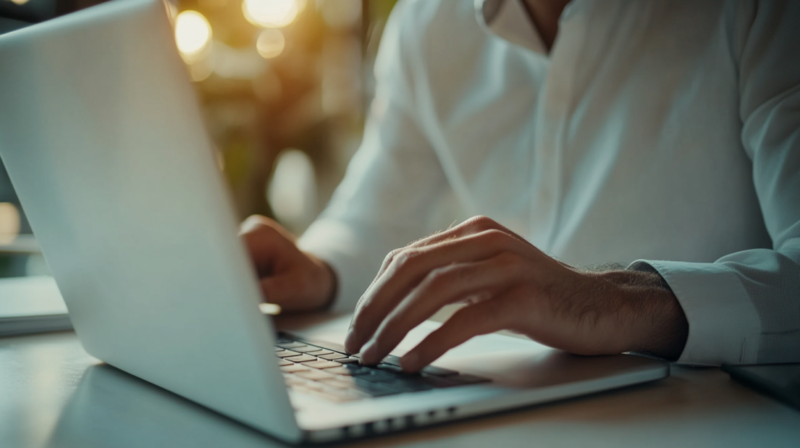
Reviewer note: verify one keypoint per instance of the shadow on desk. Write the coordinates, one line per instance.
(111, 408)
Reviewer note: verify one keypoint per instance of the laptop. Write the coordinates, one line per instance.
(104, 142)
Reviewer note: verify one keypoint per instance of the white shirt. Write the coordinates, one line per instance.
(663, 131)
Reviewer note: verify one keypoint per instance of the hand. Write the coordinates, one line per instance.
(289, 277)
(509, 284)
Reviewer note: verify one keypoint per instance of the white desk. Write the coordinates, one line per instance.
(52, 394)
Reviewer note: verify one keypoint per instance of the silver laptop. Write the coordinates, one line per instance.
(105, 145)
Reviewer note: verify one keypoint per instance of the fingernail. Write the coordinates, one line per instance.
(350, 341)
(409, 362)
(369, 353)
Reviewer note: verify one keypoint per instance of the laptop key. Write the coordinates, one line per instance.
(347, 369)
(392, 363)
(339, 371)
(394, 369)
(314, 385)
(301, 358)
(292, 345)
(373, 389)
(410, 385)
(349, 360)
(332, 356)
(306, 349)
(322, 364)
(283, 362)
(319, 352)
(294, 368)
(286, 353)
(377, 376)
(438, 371)
(293, 380)
(337, 383)
(391, 359)
(314, 374)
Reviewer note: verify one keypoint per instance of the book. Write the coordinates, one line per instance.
(31, 305)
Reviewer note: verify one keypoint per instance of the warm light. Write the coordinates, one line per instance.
(19, 2)
(271, 13)
(9, 222)
(271, 309)
(270, 43)
(340, 13)
(192, 33)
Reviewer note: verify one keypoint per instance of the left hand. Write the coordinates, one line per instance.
(508, 284)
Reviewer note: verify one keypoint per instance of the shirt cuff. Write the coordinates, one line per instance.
(724, 326)
(337, 244)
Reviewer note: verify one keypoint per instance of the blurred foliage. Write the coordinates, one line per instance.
(311, 97)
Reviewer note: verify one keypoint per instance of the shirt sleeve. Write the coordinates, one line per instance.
(745, 307)
(391, 183)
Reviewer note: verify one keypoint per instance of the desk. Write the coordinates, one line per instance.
(52, 394)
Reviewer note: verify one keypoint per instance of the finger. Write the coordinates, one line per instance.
(410, 268)
(266, 246)
(441, 287)
(254, 223)
(472, 226)
(483, 318)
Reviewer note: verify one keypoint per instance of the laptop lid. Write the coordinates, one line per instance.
(105, 146)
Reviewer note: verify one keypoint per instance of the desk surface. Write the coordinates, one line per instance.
(52, 394)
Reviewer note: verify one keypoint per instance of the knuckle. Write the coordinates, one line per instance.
(405, 257)
(481, 223)
(494, 237)
(391, 256)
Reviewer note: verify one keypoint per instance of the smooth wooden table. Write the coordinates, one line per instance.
(52, 394)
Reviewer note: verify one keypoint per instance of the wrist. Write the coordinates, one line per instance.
(653, 321)
(328, 283)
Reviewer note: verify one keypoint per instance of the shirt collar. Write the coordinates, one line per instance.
(509, 20)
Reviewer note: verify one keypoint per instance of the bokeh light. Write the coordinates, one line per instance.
(270, 43)
(9, 222)
(192, 34)
(271, 13)
(19, 2)
(340, 13)
(292, 190)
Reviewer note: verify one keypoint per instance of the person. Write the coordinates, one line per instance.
(663, 136)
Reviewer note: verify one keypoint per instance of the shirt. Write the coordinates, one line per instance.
(665, 134)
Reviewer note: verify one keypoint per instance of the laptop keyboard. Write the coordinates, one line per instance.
(339, 377)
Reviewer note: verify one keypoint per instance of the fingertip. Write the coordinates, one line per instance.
(350, 342)
(249, 223)
(410, 362)
(369, 354)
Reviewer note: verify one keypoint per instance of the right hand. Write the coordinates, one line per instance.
(289, 277)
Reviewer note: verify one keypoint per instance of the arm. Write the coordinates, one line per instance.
(389, 188)
(508, 284)
(745, 307)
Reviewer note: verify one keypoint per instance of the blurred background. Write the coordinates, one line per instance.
(283, 85)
